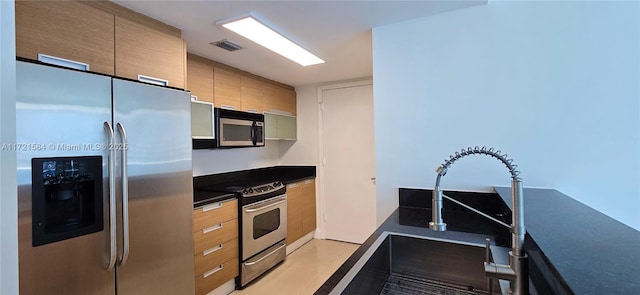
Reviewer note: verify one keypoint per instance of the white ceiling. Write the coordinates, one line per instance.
(337, 31)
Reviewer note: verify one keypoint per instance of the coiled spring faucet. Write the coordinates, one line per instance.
(517, 270)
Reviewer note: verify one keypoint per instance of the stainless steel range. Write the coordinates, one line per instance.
(263, 227)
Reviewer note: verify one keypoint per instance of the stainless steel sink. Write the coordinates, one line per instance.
(406, 264)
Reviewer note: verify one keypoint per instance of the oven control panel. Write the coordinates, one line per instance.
(262, 189)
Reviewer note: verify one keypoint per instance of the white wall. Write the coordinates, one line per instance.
(227, 160)
(8, 193)
(304, 151)
(554, 84)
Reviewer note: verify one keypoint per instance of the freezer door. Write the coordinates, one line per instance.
(157, 124)
(60, 113)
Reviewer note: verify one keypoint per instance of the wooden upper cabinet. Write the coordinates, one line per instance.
(250, 95)
(226, 85)
(66, 29)
(276, 98)
(141, 50)
(200, 78)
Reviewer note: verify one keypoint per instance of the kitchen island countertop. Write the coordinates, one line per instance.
(592, 252)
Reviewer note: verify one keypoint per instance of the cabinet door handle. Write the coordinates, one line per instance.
(215, 270)
(252, 111)
(153, 80)
(308, 181)
(63, 62)
(293, 185)
(227, 107)
(194, 97)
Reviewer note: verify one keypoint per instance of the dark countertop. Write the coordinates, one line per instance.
(285, 174)
(592, 252)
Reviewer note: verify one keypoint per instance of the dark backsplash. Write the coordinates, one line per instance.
(286, 174)
(415, 210)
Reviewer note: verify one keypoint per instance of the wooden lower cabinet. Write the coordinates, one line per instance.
(309, 206)
(216, 251)
(207, 282)
(211, 258)
(213, 214)
(301, 209)
(294, 212)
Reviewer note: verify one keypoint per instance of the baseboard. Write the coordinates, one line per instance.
(298, 243)
(225, 289)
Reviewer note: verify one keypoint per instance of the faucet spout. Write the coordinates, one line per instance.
(518, 270)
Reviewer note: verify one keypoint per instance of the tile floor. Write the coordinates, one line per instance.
(304, 270)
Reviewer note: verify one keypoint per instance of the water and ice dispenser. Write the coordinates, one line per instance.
(66, 198)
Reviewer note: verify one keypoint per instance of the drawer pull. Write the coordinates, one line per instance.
(227, 107)
(214, 249)
(194, 98)
(212, 228)
(215, 270)
(153, 80)
(252, 111)
(308, 181)
(293, 185)
(63, 62)
(265, 257)
(212, 206)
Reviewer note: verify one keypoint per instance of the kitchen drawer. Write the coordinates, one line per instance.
(215, 235)
(216, 277)
(213, 214)
(227, 251)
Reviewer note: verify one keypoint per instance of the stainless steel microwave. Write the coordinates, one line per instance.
(239, 129)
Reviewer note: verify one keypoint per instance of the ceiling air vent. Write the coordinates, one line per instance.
(227, 45)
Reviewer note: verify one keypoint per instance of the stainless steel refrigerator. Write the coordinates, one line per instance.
(104, 184)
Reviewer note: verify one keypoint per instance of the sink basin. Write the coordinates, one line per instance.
(406, 264)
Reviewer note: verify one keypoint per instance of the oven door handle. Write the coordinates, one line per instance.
(264, 257)
(250, 210)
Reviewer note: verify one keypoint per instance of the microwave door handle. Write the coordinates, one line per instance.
(254, 133)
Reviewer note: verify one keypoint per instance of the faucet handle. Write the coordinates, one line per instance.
(487, 249)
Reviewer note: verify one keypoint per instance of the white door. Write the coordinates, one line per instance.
(348, 159)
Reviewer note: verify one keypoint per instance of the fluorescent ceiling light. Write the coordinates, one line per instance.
(249, 27)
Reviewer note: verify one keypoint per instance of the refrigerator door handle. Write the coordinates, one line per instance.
(125, 193)
(112, 197)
